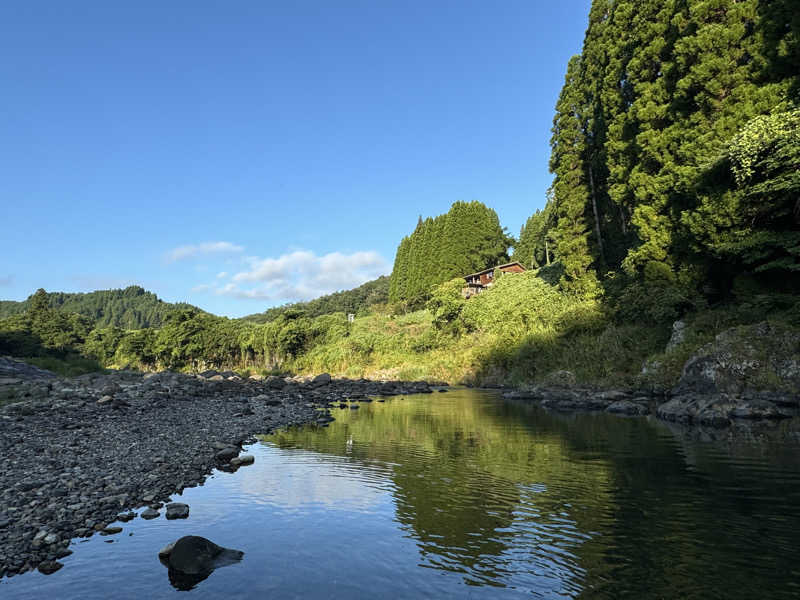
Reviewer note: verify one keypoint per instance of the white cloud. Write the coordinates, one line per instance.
(302, 275)
(222, 274)
(193, 250)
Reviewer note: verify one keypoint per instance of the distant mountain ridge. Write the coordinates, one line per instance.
(348, 301)
(129, 308)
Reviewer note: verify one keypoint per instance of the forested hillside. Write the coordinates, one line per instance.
(675, 152)
(676, 155)
(466, 239)
(355, 301)
(129, 308)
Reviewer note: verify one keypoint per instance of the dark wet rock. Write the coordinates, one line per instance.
(626, 407)
(125, 517)
(177, 510)
(149, 513)
(275, 383)
(717, 410)
(227, 454)
(111, 531)
(526, 394)
(49, 567)
(320, 380)
(191, 559)
(244, 459)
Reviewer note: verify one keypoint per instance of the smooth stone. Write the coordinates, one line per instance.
(177, 510)
(149, 513)
(227, 454)
(194, 555)
(49, 567)
(244, 459)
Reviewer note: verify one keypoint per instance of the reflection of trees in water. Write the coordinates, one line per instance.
(604, 504)
(462, 470)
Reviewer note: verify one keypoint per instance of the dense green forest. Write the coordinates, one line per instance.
(356, 301)
(676, 156)
(129, 308)
(466, 239)
(675, 153)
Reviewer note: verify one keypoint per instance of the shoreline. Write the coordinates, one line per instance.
(78, 454)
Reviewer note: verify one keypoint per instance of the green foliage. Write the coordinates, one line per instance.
(466, 239)
(357, 301)
(534, 247)
(446, 304)
(129, 308)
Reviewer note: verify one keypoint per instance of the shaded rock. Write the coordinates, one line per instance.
(678, 335)
(191, 559)
(227, 454)
(149, 513)
(244, 459)
(49, 567)
(750, 357)
(276, 383)
(626, 407)
(177, 510)
(320, 380)
(561, 378)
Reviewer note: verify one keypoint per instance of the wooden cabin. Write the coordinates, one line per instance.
(477, 282)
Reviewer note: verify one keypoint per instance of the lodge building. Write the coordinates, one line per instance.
(477, 282)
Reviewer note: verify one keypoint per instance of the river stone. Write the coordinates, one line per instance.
(244, 459)
(321, 379)
(626, 407)
(227, 454)
(49, 567)
(149, 513)
(195, 555)
(177, 510)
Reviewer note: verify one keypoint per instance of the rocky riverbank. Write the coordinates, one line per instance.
(79, 454)
(747, 373)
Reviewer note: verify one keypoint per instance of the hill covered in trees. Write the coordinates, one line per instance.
(676, 156)
(466, 239)
(355, 301)
(129, 308)
(676, 194)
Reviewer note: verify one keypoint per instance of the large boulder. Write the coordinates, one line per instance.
(320, 380)
(740, 360)
(192, 558)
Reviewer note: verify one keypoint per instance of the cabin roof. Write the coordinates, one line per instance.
(497, 267)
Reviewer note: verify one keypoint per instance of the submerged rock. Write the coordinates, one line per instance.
(192, 558)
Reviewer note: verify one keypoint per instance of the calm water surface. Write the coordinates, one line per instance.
(463, 495)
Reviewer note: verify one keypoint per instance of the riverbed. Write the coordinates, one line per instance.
(466, 495)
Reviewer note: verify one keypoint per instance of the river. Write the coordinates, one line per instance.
(465, 495)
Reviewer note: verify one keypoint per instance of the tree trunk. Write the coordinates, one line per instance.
(596, 217)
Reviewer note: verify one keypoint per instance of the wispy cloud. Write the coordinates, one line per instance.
(302, 275)
(6, 280)
(194, 250)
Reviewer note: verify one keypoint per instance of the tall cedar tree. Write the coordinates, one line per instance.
(466, 239)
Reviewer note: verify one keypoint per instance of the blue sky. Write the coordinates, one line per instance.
(239, 155)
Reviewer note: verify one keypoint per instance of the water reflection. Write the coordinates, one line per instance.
(463, 495)
(507, 495)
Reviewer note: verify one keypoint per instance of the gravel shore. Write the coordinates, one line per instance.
(79, 454)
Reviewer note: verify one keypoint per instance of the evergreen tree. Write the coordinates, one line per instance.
(571, 194)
